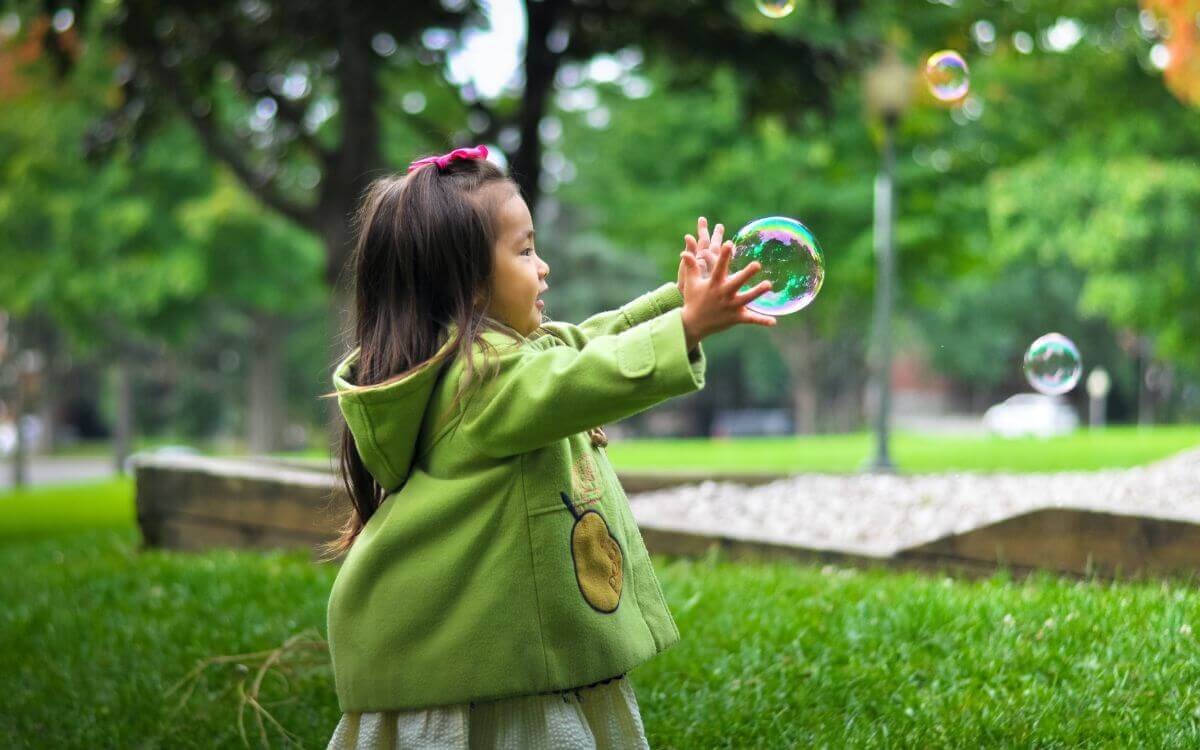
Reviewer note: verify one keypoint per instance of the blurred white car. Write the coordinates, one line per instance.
(31, 425)
(1031, 414)
(8, 438)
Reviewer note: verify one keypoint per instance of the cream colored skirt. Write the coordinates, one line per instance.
(600, 717)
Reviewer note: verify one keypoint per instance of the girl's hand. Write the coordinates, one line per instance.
(701, 249)
(712, 304)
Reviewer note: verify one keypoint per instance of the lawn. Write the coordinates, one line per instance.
(1114, 447)
(96, 634)
(54, 509)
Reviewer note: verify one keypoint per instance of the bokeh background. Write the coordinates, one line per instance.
(176, 181)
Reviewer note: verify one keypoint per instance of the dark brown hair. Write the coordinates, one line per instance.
(422, 260)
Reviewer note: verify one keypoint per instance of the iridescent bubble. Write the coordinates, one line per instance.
(791, 259)
(1052, 364)
(947, 75)
(775, 8)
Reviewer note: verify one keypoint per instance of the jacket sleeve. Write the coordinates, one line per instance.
(650, 305)
(541, 395)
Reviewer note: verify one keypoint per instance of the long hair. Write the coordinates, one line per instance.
(422, 260)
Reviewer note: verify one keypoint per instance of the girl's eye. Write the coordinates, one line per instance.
(527, 250)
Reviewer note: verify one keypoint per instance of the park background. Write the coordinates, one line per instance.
(175, 188)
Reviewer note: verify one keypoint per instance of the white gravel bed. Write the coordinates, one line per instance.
(881, 514)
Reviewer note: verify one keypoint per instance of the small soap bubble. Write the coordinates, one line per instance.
(947, 75)
(1053, 364)
(775, 8)
(791, 260)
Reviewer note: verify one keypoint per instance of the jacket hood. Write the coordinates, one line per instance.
(385, 420)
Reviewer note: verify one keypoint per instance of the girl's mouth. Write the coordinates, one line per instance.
(540, 304)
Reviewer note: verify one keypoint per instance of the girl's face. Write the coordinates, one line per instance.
(518, 274)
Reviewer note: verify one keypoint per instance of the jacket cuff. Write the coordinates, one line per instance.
(652, 304)
(683, 372)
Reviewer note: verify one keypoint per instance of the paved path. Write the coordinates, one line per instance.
(54, 469)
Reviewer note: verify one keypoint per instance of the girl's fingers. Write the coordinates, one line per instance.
(702, 231)
(758, 319)
(740, 278)
(753, 294)
(722, 266)
(689, 243)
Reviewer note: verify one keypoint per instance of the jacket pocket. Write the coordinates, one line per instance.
(580, 543)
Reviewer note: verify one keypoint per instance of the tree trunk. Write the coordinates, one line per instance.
(341, 334)
(847, 401)
(801, 353)
(48, 411)
(123, 427)
(49, 395)
(541, 65)
(20, 457)
(804, 406)
(1145, 407)
(266, 386)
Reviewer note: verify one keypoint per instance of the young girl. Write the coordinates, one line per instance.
(495, 588)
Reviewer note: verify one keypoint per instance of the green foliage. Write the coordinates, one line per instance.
(675, 155)
(1085, 142)
(98, 247)
(1129, 224)
(254, 259)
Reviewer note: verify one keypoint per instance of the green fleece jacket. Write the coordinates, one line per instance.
(504, 559)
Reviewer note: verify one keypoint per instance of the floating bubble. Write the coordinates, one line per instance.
(1052, 364)
(947, 75)
(775, 8)
(791, 259)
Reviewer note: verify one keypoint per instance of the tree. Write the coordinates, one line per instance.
(323, 79)
(97, 250)
(1129, 224)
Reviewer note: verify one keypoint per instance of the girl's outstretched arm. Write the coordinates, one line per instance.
(542, 394)
(649, 305)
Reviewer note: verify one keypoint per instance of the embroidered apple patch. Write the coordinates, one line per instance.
(597, 559)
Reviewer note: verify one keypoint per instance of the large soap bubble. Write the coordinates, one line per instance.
(947, 74)
(1052, 364)
(775, 8)
(791, 259)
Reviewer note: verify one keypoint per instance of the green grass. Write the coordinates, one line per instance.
(53, 509)
(1110, 448)
(1114, 447)
(94, 634)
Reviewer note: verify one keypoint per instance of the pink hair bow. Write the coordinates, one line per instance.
(479, 152)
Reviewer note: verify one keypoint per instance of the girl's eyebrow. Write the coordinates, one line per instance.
(529, 233)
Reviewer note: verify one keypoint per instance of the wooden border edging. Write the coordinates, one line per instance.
(200, 502)
(1076, 541)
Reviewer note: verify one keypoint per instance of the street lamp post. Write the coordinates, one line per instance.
(888, 86)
